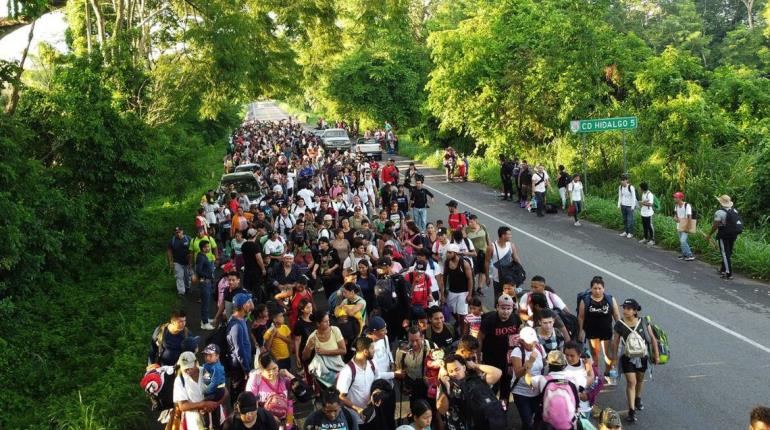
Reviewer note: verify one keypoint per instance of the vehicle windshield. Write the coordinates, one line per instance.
(335, 133)
(249, 187)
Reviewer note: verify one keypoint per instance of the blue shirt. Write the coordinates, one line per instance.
(204, 268)
(213, 378)
(239, 343)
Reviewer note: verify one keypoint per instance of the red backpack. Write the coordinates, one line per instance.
(420, 288)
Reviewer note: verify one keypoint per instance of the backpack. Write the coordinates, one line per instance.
(655, 203)
(585, 298)
(158, 383)
(488, 413)
(158, 339)
(420, 288)
(424, 241)
(570, 322)
(352, 367)
(664, 350)
(560, 404)
(385, 293)
(634, 344)
(733, 225)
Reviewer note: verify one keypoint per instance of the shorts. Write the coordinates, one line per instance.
(626, 366)
(456, 302)
(479, 267)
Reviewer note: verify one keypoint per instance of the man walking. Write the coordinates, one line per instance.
(728, 225)
(419, 199)
(177, 254)
(239, 344)
(562, 181)
(683, 218)
(540, 182)
(506, 176)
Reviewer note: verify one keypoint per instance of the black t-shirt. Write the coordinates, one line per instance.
(303, 329)
(264, 422)
(326, 260)
(343, 421)
(172, 347)
(229, 294)
(420, 198)
(442, 340)
(499, 338)
(250, 249)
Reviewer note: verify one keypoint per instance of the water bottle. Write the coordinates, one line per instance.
(613, 377)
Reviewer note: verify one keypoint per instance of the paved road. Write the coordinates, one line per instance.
(719, 330)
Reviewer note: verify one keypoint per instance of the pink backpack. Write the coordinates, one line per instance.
(560, 403)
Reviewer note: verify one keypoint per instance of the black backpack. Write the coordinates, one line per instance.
(487, 411)
(219, 338)
(733, 225)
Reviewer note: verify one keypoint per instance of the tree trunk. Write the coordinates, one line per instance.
(100, 30)
(88, 28)
(14, 100)
(749, 12)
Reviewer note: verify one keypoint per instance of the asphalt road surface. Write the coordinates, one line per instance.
(719, 330)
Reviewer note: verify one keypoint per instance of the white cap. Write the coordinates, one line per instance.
(453, 247)
(528, 335)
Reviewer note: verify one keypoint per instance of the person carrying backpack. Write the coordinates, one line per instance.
(627, 203)
(562, 181)
(635, 335)
(465, 398)
(728, 225)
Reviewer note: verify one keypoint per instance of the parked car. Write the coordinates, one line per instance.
(249, 167)
(368, 147)
(243, 182)
(336, 138)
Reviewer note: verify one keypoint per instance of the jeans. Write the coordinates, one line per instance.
(182, 274)
(726, 248)
(540, 199)
(420, 217)
(578, 208)
(527, 406)
(649, 230)
(206, 293)
(628, 219)
(563, 195)
(507, 189)
(686, 251)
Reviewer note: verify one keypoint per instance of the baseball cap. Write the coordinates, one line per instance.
(377, 323)
(420, 266)
(328, 217)
(178, 229)
(212, 348)
(187, 360)
(528, 335)
(441, 232)
(679, 195)
(241, 299)
(252, 232)
(453, 247)
(633, 304)
(505, 300)
(452, 203)
(247, 402)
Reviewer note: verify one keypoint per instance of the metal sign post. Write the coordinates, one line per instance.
(621, 124)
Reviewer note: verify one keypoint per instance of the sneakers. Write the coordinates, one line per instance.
(639, 405)
(681, 257)
(622, 234)
(577, 224)
(631, 416)
(651, 243)
(629, 235)
(207, 326)
(690, 258)
(643, 241)
(727, 277)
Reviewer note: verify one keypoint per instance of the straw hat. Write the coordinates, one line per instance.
(725, 201)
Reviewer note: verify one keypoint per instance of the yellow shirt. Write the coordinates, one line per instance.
(279, 349)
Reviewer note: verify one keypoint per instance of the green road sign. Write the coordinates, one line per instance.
(603, 124)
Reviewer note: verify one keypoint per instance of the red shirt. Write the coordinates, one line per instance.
(389, 174)
(457, 220)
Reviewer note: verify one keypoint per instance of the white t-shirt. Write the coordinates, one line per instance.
(274, 247)
(440, 249)
(538, 383)
(467, 247)
(383, 358)
(521, 387)
(361, 388)
(553, 300)
(499, 252)
(282, 223)
(683, 211)
(307, 195)
(648, 197)
(352, 262)
(190, 392)
(576, 191)
(536, 177)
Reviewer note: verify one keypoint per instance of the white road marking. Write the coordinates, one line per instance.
(677, 306)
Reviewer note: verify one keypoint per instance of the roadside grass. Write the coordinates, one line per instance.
(77, 348)
(751, 255)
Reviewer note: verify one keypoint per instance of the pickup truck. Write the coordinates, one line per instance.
(242, 182)
(368, 147)
(336, 138)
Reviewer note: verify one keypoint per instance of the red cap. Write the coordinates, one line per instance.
(679, 195)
